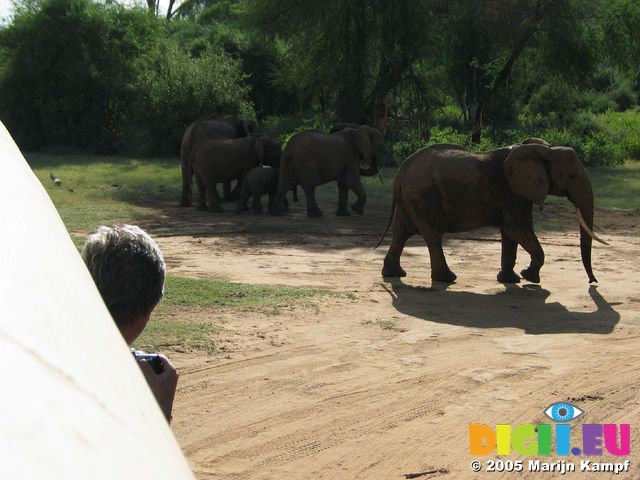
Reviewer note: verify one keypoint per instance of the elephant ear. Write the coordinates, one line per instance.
(363, 142)
(526, 172)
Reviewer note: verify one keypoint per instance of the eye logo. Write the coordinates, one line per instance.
(563, 412)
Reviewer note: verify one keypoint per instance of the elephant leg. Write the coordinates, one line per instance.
(272, 198)
(440, 271)
(343, 196)
(400, 234)
(212, 193)
(226, 192)
(509, 252)
(235, 193)
(257, 204)
(242, 203)
(202, 199)
(358, 189)
(530, 243)
(312, 206)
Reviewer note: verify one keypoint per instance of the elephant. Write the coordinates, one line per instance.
(313, 158)
(228, 126)
(216, 159)
(259, 181)
(446, 188)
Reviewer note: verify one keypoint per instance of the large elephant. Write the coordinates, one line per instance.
(217, 160)
(313, 158)
(447, 188)
(228, 126)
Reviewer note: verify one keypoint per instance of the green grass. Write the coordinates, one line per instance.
(176, 335)
(189, 291)
(97, 190)
(168, 329)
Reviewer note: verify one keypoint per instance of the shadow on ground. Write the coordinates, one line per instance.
(517, 307)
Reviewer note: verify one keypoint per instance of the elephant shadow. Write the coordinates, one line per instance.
(522, 307)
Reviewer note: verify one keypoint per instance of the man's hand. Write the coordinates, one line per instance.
(163, 385)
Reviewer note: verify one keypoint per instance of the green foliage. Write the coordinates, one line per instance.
(624, 95)
(173, 90)
(105, 77)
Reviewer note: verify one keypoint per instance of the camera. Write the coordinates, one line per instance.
(153, 358)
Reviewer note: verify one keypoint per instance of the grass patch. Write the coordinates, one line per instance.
(188, 291)
(181, 293)
(179, 336)
(97, 190)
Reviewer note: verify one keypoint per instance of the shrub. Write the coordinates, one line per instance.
(624, 96)
(600, 150)
(172, 90)
(98, 76)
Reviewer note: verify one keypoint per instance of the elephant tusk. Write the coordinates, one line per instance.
(587, 229)
(380, 177)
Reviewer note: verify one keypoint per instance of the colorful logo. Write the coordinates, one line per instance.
(543, 439)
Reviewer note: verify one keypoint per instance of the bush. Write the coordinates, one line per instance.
(624, 96)
(553, 99)
(172, 90)
(600, 150)
(102, 77)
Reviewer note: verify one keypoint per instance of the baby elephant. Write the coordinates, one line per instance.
(260, 181)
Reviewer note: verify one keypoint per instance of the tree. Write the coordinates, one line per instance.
(491, 36)
(345, 54)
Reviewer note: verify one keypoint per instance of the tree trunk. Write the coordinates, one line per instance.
(505, 71)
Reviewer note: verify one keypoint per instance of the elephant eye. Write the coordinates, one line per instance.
(563, 412)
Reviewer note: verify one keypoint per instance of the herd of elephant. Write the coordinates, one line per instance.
(223, 149)
(440, 189)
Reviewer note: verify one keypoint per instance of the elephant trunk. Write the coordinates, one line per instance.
(583, 200)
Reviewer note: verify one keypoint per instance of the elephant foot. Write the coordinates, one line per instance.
(216, 209)
(185, 203)
(508, 277)
(240, 209)
(445, 277)
(393, 271)
(203, 207)
(359, 209)
(532, 275)
(342, 212)
(257, 210)
(314, 212)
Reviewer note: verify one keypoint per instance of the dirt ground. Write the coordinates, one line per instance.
(386, 383)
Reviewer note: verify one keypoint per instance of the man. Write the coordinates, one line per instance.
(129, 271)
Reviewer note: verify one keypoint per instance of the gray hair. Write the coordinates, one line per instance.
(128, 269)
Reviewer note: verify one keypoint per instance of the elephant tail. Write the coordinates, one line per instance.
(394, 194)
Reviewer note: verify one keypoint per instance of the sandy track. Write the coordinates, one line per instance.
(386, 384)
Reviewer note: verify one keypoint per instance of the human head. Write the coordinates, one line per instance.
(129, 271)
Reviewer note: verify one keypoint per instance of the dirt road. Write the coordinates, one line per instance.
(386, 383)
